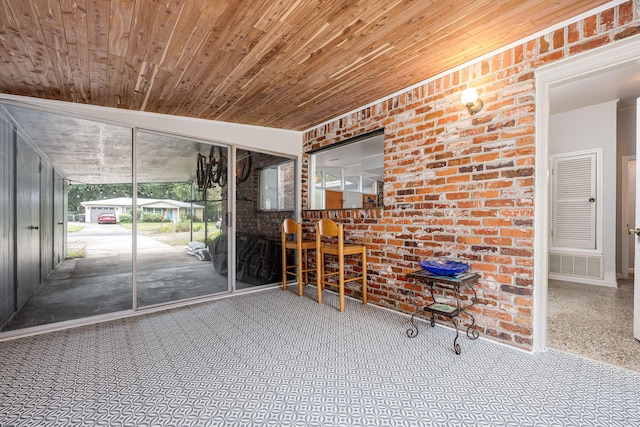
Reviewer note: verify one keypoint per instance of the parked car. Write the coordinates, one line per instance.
(107, 218)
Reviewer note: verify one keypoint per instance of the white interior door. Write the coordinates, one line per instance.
(636, 263)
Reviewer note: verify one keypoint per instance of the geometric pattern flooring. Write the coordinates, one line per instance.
(271, 358)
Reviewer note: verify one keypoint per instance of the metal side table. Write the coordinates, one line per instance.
(452, 311)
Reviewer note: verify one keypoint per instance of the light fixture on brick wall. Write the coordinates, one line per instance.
(470, 99)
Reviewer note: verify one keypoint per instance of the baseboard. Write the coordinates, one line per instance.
(583, 280)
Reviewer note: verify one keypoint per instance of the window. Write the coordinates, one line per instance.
(153, 210)
(369, 185)
(352, 183)
(277, 187)
(347, 174)
(332, 179)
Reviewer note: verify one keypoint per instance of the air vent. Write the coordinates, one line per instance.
(576, 265)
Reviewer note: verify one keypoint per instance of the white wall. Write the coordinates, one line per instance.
(590, 128)
(280, 141)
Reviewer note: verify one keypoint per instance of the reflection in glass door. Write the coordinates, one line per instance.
(184, 240)
(76, 175)
(265, 197)
(179, 219)
(84, 166)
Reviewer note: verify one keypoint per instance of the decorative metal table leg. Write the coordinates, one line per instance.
(413, 332)
(456, 346)
(433, 321)
(472, 333)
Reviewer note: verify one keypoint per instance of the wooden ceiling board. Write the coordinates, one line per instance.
(142, 52)
(172, 86)
(38, 50)
(50, 18)
(9, 77)
(74, 17)
(19, 69)
(204, 66)
(98, 43)
(24, 30)
(290, 64)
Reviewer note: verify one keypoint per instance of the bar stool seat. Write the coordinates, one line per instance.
(326, 228)
(300, 269)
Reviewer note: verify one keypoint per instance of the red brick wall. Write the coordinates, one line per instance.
(462, 186)
(249, 218)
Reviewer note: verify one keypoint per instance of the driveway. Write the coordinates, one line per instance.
(106, 238)
(101, 282)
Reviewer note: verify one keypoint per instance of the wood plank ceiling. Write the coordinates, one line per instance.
(289, 64)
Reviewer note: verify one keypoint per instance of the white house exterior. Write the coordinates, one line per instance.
(169, 209)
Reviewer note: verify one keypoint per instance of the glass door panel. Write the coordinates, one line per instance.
(265, 196)
(83, 252)
(179, 216)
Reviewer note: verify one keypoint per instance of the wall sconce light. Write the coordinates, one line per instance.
(470, 99)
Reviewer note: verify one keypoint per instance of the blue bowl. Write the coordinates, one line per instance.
(443, 267)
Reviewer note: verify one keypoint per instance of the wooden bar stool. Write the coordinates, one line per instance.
(300, 268)
(326, 228)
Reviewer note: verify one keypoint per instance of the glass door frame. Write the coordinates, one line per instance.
(230, 196)
(231, 220)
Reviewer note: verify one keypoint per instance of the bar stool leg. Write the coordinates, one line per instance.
(306, 266)
(319, 274)
(300, 255)
(364, 275)
(284, 263)
(341, 281)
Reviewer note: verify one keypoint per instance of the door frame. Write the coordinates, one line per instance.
(625, 218)
(599, 59)
(636, 246)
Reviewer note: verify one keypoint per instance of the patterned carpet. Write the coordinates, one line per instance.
(272, 358)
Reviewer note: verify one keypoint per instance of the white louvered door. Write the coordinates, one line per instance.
(574, 201)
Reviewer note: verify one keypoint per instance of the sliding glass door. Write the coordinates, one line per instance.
(109, 218)
(265, 196)
(179, 219)
(71, 264)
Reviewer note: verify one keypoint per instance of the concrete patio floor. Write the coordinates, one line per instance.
(101, 282)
